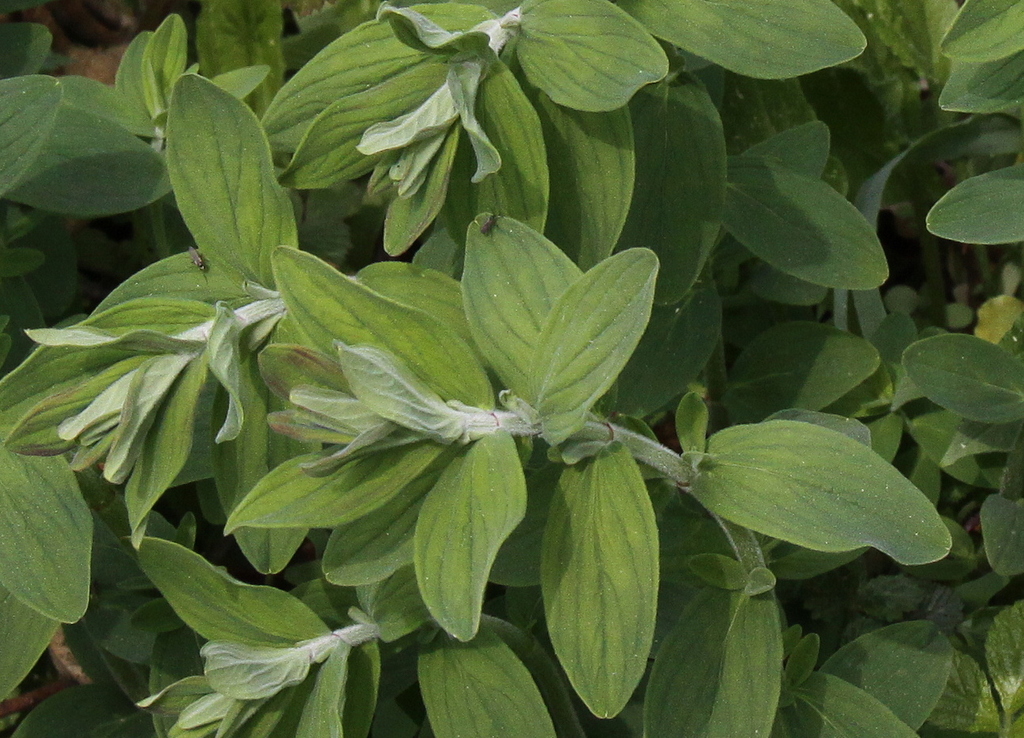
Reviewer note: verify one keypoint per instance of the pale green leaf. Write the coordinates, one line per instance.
(586, 54)
(245, 672)
(477, 501)
(599, 576)
(164, 57)
(480, 689)
(819, 489)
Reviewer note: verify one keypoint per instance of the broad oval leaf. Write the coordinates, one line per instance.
(224, 181)
(819, 489)
(31, 631)
(47, 536)
(829, 707)
(586, 54)
(983, 209)
(513, 276)
(587, 339)
(985, 30)
(968, 375)
(219, 607)
(798, 364)
(1002, 525)
(29, 106)
(984, 87)
(801, 226)
(679, 195)
(783, 38)
(480, 688)
(725, 655)
(355, 314)
(26, 47)
(599, 576)
(478, 500)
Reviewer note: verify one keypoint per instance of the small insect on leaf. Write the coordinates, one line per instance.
(488, 225)
(197, 258)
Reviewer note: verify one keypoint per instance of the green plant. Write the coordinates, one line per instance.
(605, 457)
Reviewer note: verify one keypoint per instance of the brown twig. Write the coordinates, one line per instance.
(25, 702)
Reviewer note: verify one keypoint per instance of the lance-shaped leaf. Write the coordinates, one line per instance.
(288, 497)
(725, 655)
(586, 54)
(819, 489)
(982, 209)
(801, 226)
(784, 38)
(986, 30)
(968, 375)
(513, 277)
(224, 181)
(219, 607)
(358, 315)
(322, 714)
(599, 576)
(587, 339)
(478, 500)
(480, 688)
(163, 61)
(29, 111)
(223, 354)
(830, 707)
(47, 536)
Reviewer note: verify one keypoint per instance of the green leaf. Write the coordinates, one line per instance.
(785, 38)
(224, 181)
(287, 497)
(285, 367)
(587, 339)
(819, 489)
(25, 48)
(904, 666)
(796, 365)
(982, 209)
(89, 167)
(586, 54)
(482, 495)
(30, 111)
(967, 702)
(802, 148)
(599, 576)
(984, 87)
(164, 57)
(591, 164)
(394, 604)
(480, 688)
(725, 655)
(985, 30)
(801, 226)
(520, 188)
(680, 190)
(692, 422)
(219, 607)
(1002, 525)
(31, 631)
(245, 672)
(672, 352)
(47, 536)
(355, 314)
(1004, 653)
(828, 707)
(87, 710)
(232, 34)
(968, 375)
(321, 717)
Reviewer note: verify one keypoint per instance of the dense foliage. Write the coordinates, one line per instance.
(470, 370)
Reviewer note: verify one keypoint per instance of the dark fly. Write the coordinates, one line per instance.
(488, 225)
(197, 258)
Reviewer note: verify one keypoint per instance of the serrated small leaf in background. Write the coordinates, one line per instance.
(480, 688)
(967, 702)
(1004, 653)
(477, 501)
(599, 576)
(827, 491)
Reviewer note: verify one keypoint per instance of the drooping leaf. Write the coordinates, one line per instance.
(599, 576)
(587, 339)
(482, 495)
(725, 655)
(801, 226)
(513, 277)
(819, 489)
(982, 209)
(680, 190)
(224, 181)
(219, 607)
(480, 688)
(245, 672)
(784, 39)
(968, 375)
(585, 54)
(47, 536)
(985, 30)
